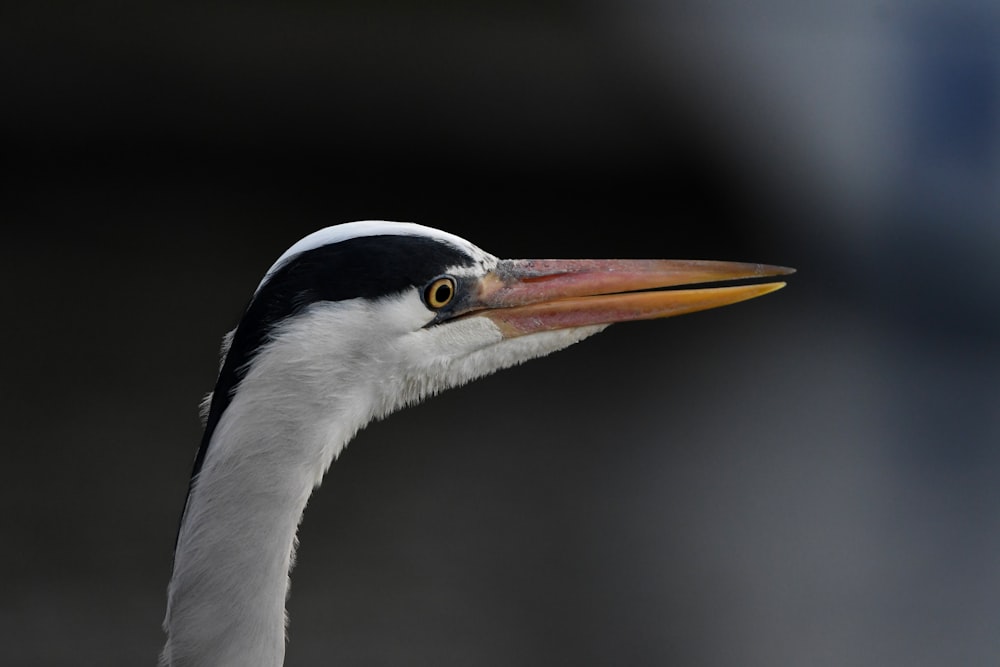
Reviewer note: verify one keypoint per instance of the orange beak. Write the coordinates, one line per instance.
(525, 296)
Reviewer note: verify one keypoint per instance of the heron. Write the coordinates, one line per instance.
(350, 324)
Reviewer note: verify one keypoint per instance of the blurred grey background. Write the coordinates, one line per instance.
(807, 479)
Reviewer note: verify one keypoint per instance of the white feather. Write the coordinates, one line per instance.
(324, 375)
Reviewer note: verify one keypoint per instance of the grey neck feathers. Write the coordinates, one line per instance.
(289, 419)
(325, 375)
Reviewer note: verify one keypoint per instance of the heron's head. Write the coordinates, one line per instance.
(391, 312)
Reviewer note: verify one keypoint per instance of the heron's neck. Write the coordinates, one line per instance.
(237, 539)
(330, 371)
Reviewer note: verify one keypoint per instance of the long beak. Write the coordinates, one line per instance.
(525, 296)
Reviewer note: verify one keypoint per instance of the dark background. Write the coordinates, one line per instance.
(807, 479)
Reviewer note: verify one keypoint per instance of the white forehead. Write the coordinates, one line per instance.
(361, 228)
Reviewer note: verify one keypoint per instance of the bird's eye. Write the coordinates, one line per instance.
(440, 292)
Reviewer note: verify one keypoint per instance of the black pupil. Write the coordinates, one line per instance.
(442, 293)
